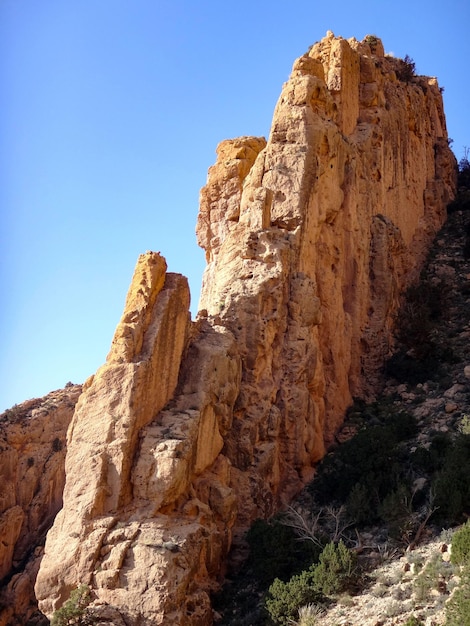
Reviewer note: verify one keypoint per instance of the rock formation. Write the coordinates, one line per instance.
(32, 478)
(192, 430)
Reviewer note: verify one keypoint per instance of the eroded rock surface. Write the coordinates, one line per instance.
(32, 478)
(192, 430)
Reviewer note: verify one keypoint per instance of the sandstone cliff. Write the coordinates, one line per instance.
(192, 430)
(32, 478)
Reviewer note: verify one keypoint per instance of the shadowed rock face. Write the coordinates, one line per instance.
(192, 430)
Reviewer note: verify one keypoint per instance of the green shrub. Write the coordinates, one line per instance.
(413, 621)
(406, 69)
(451, 484)
(73, 611)
(419, 355)
(464, 426)
(276, 552)
(12, 414)
(402, 424)
(373, 42)
(364, 460)
(359, 505)
(458, 607)
(369, 466)
(461, 201)
(447, 462)
(396, 511)
(333, 574)
(463, 180)
(432, 459)
(406, 368)
(285, 598)
(335, 571)
(461, 545)
(431, 577)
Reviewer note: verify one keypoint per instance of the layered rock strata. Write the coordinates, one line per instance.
(192, 430)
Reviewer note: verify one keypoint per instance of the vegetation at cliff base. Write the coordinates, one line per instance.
(420, 353)
(461, 545)
(458, 607)
(307, 557)
(334, 572)
(276, 552)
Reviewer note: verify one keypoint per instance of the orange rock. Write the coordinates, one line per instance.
(32, 477)
(191, 431)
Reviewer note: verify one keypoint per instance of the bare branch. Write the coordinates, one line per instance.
(306, 527)
(429, 512)
(337, 516)
(328, 521)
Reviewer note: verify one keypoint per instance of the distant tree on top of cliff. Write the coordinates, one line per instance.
(464, 170)
(406, 69)
(462, 199)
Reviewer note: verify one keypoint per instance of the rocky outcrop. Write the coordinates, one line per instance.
(192, 430)
(32, 478)
(98, 525)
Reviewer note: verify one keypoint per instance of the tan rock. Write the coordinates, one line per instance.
(190, 432)
(139, 377)
(173, 535)
(32, 478)
(331, 213)
(10, 528)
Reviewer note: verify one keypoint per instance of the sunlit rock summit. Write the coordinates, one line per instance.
(191, 430)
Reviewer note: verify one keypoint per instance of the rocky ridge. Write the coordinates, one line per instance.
(192, 430)
(400, 588)
(405, 578)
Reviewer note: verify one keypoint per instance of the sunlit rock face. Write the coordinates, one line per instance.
(191, 430)
(32, 478)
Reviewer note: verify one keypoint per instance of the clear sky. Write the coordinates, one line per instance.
(110, 113)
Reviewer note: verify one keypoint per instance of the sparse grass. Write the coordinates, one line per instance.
(402, 593)
(413, 621)
(309, 615)
(379, 590)
(458, 607)
(393, 609)
(433, 577)
(345, 600)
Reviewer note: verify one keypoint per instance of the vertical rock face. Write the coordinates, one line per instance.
(138, 379)
(32, 478)
(191, 431)
(307, 262)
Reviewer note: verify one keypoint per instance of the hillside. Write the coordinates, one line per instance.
(404, 557)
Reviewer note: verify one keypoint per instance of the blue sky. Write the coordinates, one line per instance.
(110, 113)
